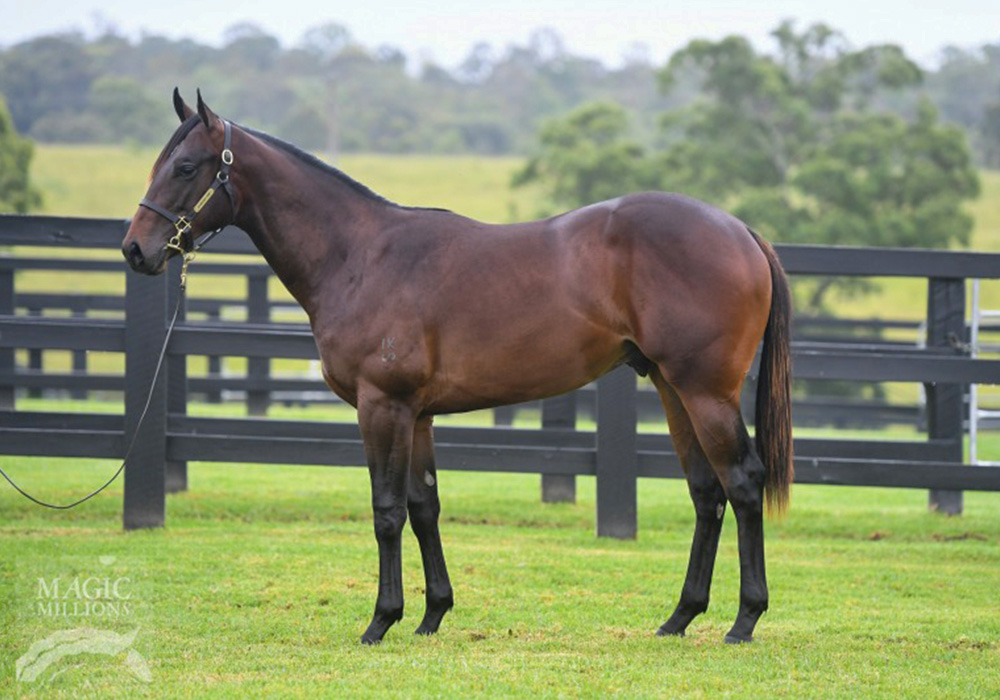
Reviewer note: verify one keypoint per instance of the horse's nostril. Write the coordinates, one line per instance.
(134, 254)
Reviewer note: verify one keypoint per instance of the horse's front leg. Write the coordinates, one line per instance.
(424, 510)
(387, 429)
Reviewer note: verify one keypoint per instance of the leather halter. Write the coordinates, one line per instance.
(181, 241)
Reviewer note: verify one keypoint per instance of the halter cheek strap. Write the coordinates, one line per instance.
(181, 241)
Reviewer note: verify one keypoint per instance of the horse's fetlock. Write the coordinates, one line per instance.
(440, 600)
(694, 605)
(389, 612)
(754, 605)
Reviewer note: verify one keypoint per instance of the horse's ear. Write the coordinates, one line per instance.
(180, 106)
(208, 117)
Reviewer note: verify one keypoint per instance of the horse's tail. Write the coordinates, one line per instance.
(773, 423)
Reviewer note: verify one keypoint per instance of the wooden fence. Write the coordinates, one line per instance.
(616, 453)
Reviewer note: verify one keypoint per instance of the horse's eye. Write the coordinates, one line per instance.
(186, 170)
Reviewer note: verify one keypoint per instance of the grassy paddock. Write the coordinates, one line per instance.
(265, 578)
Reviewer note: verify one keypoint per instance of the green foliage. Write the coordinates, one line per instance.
(329, 90)
(966, 89)
(793, 143)
(128, 112)
(16, 193)
(46, 77)
(587, 157)
(989, 131)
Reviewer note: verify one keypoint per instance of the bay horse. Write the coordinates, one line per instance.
(418, 312)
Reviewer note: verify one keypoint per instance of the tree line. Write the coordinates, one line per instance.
(329, 92)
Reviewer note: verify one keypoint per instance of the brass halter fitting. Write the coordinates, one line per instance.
(176, 242)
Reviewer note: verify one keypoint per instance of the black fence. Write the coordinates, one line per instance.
(616, 453)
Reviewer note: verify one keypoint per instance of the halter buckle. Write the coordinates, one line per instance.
(183, 225)
(227, 156)
(176, 242)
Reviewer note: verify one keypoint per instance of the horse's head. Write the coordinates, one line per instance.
(180, 204)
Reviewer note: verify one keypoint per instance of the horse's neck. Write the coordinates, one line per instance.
(304, 222)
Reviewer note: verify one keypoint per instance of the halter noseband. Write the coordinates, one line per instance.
(183, 222)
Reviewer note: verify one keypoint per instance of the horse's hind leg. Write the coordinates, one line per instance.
(709, 504)
(424, 508)
(724, 439)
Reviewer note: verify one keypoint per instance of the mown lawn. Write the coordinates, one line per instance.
(265, 578)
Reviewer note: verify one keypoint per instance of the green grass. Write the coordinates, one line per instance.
(265, 577)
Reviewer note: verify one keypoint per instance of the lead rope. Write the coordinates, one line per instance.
(145, 409)
(182, 224)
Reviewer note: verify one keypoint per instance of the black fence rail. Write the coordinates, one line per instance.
(616, 453)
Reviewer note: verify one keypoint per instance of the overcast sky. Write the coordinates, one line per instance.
(445, 32)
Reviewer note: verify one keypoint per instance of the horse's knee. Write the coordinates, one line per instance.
(389, 519)
(424, 514)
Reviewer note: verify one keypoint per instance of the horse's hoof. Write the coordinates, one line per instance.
(665, 632)
(425, 631)
(370, 641)
(733, 639)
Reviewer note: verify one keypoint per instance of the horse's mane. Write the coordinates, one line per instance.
(191, 122)
(311, 160)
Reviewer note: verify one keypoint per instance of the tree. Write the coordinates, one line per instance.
(587, 156)
(16, 193)
(791, 143)
(128, 112)
(989, 131)
(46, 76)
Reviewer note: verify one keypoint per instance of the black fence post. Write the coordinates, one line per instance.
(945, 409)
(559, 412)
(503, 416)
(258, 368)
(7, 354)
(35, 361)
(214, 363)
(176, 475)
(145, 328)
(79, 364)
(617, 468)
